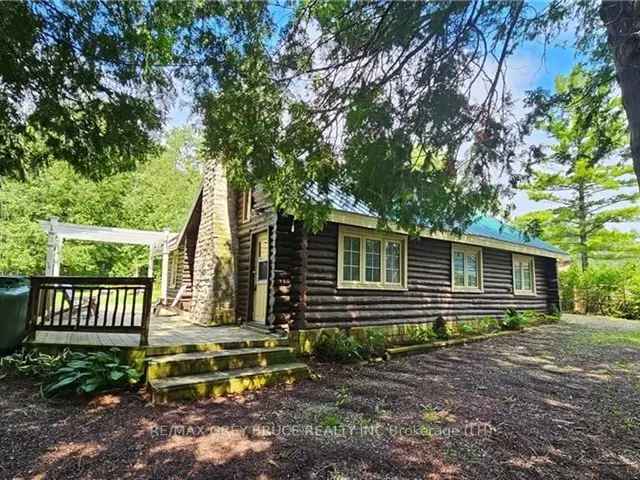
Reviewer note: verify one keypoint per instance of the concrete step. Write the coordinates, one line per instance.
(215, 384)
(271, 342)
(205, 362)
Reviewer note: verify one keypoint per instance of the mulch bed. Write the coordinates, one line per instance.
(541, 404)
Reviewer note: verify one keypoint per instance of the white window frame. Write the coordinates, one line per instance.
(364, 235)
(517, 258)
(247, 205)
(468, 250)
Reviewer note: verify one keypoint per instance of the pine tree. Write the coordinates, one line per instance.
(585, 174)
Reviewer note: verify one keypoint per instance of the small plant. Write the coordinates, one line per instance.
(466, 329)
(343, 396)
(513, 320)
(374, 345)
(33, 364)
(442, 330)
(91, 373)
(339, 347)
(421, 334)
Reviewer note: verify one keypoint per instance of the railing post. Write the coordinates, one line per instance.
(146, 313)
(32, 309)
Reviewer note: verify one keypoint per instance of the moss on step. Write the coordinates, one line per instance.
(224, 383)
(203, 362)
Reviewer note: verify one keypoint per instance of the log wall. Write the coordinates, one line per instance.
(429, 291)
(262, 217)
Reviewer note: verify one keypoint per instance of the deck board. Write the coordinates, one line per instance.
(163, 331)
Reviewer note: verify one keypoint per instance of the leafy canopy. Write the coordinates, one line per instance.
(585, 173)
(155, 196)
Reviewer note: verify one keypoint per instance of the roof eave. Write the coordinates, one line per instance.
(366, 221)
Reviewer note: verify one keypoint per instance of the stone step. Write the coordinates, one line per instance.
(271, 342)
(204, 362)
(215, 384)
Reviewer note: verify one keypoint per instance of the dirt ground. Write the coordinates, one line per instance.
(559, 401)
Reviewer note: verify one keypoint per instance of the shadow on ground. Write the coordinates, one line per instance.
(549, 403)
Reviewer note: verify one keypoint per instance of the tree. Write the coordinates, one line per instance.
(155, 196)
(373, 97)
(76, 84)
(622, 23)
(585, 173)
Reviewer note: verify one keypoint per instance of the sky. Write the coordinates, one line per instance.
(532, 66)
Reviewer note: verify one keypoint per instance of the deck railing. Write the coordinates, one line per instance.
(90, 304)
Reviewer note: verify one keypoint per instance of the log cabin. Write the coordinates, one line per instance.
(238, 260)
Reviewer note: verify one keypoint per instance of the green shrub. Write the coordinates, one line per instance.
(602, 289)
(339, 347)
(374, 344)
(421, 334)
(33, 364)
(344, 348)
(91, 373)
(488, 324)
(466, 329)
(513, 320)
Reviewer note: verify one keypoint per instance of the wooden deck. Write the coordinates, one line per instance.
(164, 331)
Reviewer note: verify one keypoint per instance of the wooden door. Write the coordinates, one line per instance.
(261, 278)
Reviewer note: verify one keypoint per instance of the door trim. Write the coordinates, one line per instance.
(252, 274)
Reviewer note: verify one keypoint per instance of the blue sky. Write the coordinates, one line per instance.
(532, 66)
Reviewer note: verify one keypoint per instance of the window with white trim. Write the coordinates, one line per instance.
(370, 259)
(246, 205)
(466, 267)
(524, 275)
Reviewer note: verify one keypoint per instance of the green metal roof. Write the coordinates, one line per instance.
(483, 226)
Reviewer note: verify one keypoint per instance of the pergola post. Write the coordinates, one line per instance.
(165, 268)
(54, 249)
(150, 266)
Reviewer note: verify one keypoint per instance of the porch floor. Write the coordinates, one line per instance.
(163, 331)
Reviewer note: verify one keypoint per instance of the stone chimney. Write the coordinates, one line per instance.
(214, 265)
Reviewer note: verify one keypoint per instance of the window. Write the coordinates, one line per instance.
(369, 259)
(466, 266)
(524, 278)
(246, 205)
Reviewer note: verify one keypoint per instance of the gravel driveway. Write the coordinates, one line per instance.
(558, 401)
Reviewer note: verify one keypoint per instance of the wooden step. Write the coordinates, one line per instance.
(203, 362)
(215, 384)
(271, 342)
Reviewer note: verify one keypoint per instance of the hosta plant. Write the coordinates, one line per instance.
(91, 373)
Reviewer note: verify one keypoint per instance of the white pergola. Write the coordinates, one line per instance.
(157, 242)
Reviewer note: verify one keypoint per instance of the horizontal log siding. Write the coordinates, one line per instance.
(187, 251)
(288, 271)
(429, 287)
(262, 217)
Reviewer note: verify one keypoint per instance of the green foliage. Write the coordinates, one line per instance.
(421, 334)
(156, 196)
(91, 373)
(339, 347)
(33, 363)
(514, 320)
(349, 123)
(86, 72)
(466, 329)
(344, 348)
(602, 289)
(585, 174)
(374, 343)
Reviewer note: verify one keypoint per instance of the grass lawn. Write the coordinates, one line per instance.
(558, 401)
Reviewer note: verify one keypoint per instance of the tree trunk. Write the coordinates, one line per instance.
(622, 21)
(582, 218)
